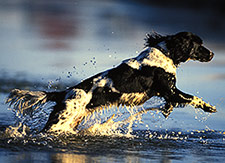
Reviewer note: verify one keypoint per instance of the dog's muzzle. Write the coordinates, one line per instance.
(208, 57)
(211, 55)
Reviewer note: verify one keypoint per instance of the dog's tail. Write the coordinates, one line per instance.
(24, 100)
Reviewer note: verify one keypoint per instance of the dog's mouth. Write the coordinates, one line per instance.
(203, 54)
(207, 58)
(211, 56)
(203, 57)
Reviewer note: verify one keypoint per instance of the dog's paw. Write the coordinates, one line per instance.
(208, 108)
(167, 110)
(199, 103)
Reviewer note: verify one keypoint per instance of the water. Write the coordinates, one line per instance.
(50, 46)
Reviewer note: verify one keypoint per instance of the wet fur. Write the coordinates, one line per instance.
(133, 82)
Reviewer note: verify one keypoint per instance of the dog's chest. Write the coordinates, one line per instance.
(154, 58)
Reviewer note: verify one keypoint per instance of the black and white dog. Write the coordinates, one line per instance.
(133, 82)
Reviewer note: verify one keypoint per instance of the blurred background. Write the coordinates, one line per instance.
(53, 44)
(58, 42)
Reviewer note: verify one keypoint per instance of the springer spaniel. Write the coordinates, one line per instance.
(133, 82)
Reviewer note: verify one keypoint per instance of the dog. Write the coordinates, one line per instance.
(133, 82)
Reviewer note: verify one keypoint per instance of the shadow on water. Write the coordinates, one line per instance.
(50, 45)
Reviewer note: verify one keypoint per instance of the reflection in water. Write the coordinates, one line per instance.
(200, 146)
(71, 158)
(83, 158)
(75, 158)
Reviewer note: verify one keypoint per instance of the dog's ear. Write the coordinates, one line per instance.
(179, 46)
(189, 36)
(152, 39)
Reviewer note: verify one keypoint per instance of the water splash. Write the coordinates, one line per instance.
(108, 121)
(105, 121)
(29, 123)
(117, 121)
(19, 130)
(105, 125)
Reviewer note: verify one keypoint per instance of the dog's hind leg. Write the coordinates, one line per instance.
(67, 116)
(54, 116)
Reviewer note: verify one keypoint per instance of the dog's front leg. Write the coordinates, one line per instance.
(199, 103)
(174, 98)
(178, 98)
(194, 101)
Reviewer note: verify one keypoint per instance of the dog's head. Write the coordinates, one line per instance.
(180, 47)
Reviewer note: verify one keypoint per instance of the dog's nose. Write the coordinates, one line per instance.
(211, 55)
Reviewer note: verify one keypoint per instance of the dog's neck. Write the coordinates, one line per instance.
(163, 48)
(152, 57)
